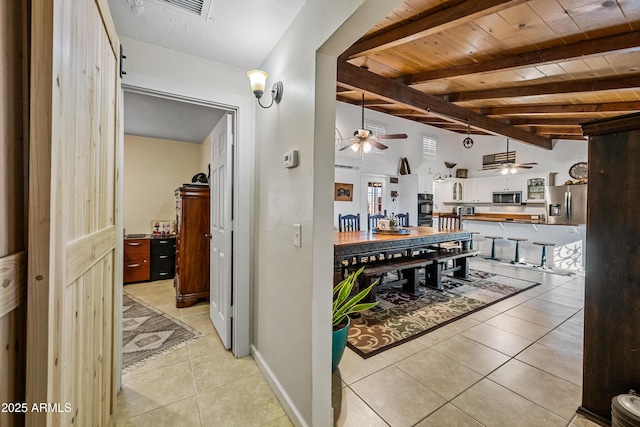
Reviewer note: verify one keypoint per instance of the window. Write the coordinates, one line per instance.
(376, 129)
(374, 198)
(429, 146)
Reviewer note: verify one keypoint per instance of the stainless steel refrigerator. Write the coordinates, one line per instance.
(566, 204)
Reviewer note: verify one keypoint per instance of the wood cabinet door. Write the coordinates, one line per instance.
(72, 277)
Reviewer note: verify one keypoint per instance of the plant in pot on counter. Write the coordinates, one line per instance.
(343, 305)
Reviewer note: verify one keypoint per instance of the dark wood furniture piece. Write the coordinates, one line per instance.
(612, 283)
(349, 222)
(349, 248)
(449, 221)
(192, 245)
(163, 258)
(136, 266)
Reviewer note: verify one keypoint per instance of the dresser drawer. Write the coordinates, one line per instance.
(137, 263)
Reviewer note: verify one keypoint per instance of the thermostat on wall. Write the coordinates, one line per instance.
(291, 159)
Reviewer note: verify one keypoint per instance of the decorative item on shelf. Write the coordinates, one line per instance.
(461, 173)
(438, 178)
(450, 166)
(258, 79)
(405, 169)
(343, 306)
(468, 142)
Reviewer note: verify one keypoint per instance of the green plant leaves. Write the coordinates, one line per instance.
(343, 305)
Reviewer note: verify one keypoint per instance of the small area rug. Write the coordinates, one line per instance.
(401, 316)
(148, 333)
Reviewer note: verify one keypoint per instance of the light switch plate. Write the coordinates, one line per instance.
(297, 235)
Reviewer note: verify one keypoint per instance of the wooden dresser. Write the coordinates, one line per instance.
(148, 258)
(192, 245)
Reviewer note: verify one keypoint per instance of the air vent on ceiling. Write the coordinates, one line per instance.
(201, 8)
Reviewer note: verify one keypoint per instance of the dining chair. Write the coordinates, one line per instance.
(449, 221)
(372, 220)
(403, 219)
(349, 222)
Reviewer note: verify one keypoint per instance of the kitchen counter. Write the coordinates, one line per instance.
(507, 218)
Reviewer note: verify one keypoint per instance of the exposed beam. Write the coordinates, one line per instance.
(631, 106)
(629, 81)
(542, 121)
(392, 91)
(430, 23)
(617, 43)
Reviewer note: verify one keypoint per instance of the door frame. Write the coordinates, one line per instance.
(243, 174)
(364, 201)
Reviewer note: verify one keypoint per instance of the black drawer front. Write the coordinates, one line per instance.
(163, 247)
(161, 270)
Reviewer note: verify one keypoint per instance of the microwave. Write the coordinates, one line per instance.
(464, 210)
(507, 198)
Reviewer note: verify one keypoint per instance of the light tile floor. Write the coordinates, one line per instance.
(200, 384)
(516, 363)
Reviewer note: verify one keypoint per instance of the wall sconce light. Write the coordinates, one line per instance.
(438, 178)
(258, 79)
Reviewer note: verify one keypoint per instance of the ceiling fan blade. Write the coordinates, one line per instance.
(393, 136)
(528, 164)
(522, 167)
(377, 144)
(347, 144)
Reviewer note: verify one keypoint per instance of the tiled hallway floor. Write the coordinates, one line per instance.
(516, 363)
(200, 384)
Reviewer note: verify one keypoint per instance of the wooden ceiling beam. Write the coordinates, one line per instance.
(629, 81)
(392, 91)
(616, 43)
(543, 121)
(622, 107)
(429, 23)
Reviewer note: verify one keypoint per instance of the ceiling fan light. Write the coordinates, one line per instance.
(366, 147)
(355, 147)
(504, 171)
(513, 170)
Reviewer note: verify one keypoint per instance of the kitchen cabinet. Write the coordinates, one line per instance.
(511, 182)
(534, 188)
(477, 190)
(163, 252)
(457, 192)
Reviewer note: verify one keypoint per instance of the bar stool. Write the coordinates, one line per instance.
(471, 241)
(493, 247)
(516, 259)
(543, 259)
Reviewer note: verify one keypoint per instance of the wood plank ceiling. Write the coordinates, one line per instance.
(531, 70)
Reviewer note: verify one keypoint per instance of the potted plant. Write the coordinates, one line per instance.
(344, 305)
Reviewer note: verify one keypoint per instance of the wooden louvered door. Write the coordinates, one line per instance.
(72, 277)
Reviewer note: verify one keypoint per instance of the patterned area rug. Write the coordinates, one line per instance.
(400, 316)
(148, 333)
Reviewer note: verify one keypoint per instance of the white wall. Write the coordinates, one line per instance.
(293, 285)
(348, 118)
(153, 170)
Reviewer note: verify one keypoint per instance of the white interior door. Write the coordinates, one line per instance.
(221, 181)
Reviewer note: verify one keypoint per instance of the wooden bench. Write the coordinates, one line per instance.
(435, 264)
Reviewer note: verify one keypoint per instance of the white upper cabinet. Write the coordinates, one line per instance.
(477, 190)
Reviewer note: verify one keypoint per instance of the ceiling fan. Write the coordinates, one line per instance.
(365, 139)
(505, 163)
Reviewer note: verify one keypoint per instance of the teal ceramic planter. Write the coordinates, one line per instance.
(338, 344)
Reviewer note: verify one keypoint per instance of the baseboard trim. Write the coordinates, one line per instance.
(593, 417)
(278, 390)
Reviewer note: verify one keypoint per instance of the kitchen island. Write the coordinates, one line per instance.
(569, 238)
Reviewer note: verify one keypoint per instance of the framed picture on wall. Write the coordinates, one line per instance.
(343, 192)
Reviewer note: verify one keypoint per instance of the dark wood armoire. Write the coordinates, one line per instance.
(192, 245)
(612, 280)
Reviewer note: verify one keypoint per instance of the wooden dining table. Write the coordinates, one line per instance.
(350, 247)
